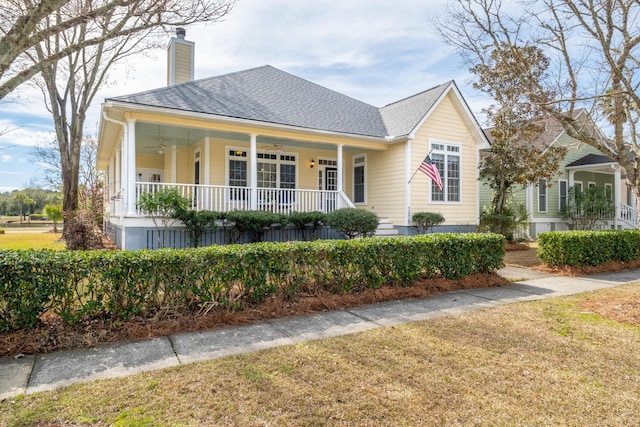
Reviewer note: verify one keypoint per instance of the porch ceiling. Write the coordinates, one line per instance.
(149, 136)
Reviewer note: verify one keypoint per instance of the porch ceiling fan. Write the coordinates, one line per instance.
(160, 148)
(276, 147)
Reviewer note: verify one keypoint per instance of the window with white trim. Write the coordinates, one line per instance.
(563, 194)
(542, 195)
(237, 174)
(275, 170)
(608, 191)
(447, 158)
(359, 181)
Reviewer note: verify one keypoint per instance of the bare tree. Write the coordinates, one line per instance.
(71, 83)
(593, 48)
(26, 24)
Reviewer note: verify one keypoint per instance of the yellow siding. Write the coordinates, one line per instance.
(149, 161)
(446, 124)
(385, 187)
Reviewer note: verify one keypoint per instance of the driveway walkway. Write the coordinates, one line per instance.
(41, 372)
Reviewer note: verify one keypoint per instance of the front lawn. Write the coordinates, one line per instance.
(549, 362)
(23, 238)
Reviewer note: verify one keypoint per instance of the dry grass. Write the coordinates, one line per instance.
(526, 258)
(539, 363)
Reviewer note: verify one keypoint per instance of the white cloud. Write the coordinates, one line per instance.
(5, 158)
(376, 51)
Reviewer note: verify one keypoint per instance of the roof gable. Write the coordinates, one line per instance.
(402, 117)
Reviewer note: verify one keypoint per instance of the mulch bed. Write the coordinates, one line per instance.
(53, 334)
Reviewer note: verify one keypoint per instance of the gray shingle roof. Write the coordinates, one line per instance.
(591, 159)
(267, 94)
(401, 117)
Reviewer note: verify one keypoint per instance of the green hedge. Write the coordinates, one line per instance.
(582, 248)
(121, 284)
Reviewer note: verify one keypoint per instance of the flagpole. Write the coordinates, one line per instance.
(414, 174)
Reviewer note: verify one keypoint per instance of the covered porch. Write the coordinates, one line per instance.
(595, 170)
(228, 169)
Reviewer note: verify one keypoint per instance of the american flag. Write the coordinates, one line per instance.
(427, 167)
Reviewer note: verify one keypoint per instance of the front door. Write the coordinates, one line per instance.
(330, 184)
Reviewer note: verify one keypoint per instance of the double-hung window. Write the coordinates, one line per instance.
(562, 188)
(237, 174)
(359, 179)
(447, 158)
(542, 195)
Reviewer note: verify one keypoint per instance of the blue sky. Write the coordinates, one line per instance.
(376, 51)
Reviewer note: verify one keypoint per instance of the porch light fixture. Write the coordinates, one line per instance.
(313, 163)
(161, 151)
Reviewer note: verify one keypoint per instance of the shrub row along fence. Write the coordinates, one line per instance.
(77, 285)
(583, 248)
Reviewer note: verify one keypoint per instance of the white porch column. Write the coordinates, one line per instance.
(617, 188)
(253, 175)
(407, 178)
(572, 179)
(118, 170)
(339, 184)
(174, 164)
(207, 163)
(130, 174)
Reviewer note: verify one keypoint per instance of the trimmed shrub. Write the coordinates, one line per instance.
(118, 285)
(1, 230)
(37, 217)
(304, 221)
(196, 222)
(582, 248)
(353, 222)
(254, 222)
(425, 221)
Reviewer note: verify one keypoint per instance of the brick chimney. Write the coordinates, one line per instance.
(180, 59)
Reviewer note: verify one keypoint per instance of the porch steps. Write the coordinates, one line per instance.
(385, 229)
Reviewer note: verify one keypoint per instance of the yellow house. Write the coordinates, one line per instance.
(265, 139)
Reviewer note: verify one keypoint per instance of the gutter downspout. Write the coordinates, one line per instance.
(122, 167)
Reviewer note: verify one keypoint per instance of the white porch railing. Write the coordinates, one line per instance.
(222, 198)
(629, 214)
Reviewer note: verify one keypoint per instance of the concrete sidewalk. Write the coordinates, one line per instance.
(41, 372)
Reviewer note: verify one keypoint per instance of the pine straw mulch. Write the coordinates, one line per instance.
(620, 309)
(53, 334)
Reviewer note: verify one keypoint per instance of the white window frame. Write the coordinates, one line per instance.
(566, 194)
(278, 161)
(608, 193)
(578, 184)
(228, 157)
(591, 184)
(439, 147)
(546, 195)
(362, 162)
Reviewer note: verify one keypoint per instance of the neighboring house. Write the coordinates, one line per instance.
(265, 139)
(583, 166)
